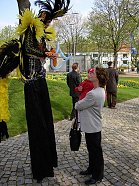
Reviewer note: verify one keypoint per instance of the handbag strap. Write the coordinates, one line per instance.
(76, 115)
(75, 124)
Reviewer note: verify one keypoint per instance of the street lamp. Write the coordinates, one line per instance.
(73, 34)
(73, 42)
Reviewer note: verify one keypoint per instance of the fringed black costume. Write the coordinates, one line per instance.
(38, 110)
(37, 102)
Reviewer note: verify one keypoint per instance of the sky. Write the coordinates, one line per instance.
(9, 10)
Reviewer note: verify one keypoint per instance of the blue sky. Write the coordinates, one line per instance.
(9, 12)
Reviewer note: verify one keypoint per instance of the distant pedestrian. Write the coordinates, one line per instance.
(111, 87)
(73, 80)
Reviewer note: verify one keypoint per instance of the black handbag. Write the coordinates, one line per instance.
(75, 136)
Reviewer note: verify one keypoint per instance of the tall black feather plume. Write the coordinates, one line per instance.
(55, 8)
(9, 57)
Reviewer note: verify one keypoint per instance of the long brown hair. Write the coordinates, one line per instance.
(102, 76)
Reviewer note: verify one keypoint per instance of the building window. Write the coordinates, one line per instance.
(105, 55)
(105, 62)
(125, 62)
(124, 55)
(95, 55)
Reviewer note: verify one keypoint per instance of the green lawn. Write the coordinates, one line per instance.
(129, 89)
(60, 101)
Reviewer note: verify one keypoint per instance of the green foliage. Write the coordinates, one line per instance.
(17, 123)
(60, 101)
(129, 88)
(125, 94)
(130, 83)
(62, 76)
(7, 33)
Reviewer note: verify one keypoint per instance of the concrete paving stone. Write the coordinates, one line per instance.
(66, 165)
(120, 146)
(119, 184)
(11, 183)
(43, 184)
(4, 180)
(20, 180)
(13, 173)
(28, 181)
(5, 184)
(5, 176)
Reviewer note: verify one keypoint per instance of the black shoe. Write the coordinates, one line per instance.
(85, 172)
(92, 181)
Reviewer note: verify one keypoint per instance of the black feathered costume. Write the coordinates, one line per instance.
(38, 110)
(37, 102)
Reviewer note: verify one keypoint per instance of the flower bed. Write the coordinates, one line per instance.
(129, 83)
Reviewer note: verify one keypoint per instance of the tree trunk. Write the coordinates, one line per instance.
(115, 59)
(23, 4)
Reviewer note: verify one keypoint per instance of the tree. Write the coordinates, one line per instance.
(69, 32)
(23, 4)
(6, 34)
(111, 24)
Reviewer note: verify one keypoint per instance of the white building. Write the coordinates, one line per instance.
(123, 58)
(88, 60)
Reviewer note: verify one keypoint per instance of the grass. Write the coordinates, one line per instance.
(60, 100)
(129, 93)
(131, 89)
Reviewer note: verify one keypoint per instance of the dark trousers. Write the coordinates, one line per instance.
(111, 99)
(40, 129)
(73, 112)
(96, 161)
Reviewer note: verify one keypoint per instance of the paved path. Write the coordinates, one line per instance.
(120, 145)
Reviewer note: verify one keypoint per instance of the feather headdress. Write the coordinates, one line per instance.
(54, 8)
(50, 33)
(29, 19)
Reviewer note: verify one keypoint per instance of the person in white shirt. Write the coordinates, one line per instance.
(90, 120)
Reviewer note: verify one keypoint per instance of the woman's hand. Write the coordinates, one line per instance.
(80, 88)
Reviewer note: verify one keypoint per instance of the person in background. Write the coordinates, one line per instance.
(111, 87)
(86, 85)
(73, 80)
(89, 109)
